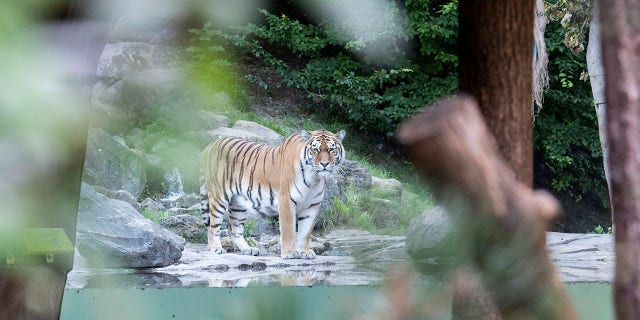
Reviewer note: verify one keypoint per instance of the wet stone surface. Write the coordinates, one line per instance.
(354, 258)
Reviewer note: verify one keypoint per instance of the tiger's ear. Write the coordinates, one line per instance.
(304, 134)
(340, 135)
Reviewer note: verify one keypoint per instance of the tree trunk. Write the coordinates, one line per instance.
(495, 53)
(502, 220)
(596, 78)
(621, 57)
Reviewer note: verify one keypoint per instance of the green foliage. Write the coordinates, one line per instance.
(343, 73)
(300, 39)
(249, 228)
(566, 132)
(435, 24)
(351, 211)
(366, 211)
(574, 16)
(211, 65)
(602, 230)
(154, 215)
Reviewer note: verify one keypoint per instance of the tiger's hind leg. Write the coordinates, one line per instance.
(237, 218)
(216, 216)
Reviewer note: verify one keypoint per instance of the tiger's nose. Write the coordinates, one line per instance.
(324, 164)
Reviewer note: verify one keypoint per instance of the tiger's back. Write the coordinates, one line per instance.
(245, 178)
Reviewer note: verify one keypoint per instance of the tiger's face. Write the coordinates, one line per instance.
(323, 150)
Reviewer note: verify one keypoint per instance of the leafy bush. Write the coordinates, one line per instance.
(212, 66)
(566, 130)
(344, 74)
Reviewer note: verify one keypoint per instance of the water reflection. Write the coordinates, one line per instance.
(224, 276)
(201, 268)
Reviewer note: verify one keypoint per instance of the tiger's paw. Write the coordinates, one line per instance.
(250, 252)
(307, 254)
(217, 250)
(290, 255)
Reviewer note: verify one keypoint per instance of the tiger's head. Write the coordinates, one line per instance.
(323, 150)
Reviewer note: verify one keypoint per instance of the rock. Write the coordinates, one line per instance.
(123, 58)
(265, 134)
(149, 89)
(112, 165)
(187, 226)
(355, 175)
(384, 212)
(429, 235)
(188, 200)
(111, 233)
(163, 24)
(224, 132)
(132, 76)
(151, 205)
(200, 267)
(583, 257)
(121, 195)
(266, 226)
(378, 251)
(107, 113)
(386, 188)
(270, 244)
(352, 174)
(207, 120)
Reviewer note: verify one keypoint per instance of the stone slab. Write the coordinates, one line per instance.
(356, 258)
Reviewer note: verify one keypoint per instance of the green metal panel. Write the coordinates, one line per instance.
(45, 241)
(593, 301)
(219, 303)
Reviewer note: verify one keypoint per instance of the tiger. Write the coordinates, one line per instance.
(246, 178)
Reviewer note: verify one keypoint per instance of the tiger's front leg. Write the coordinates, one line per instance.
(306, 220)
(287, 229)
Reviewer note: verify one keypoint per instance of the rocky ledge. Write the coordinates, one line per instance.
(355, 258)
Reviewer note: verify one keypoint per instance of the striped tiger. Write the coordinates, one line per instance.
(247, 178)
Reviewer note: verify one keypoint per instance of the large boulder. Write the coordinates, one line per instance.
(132, 78)
(355, 175)
(188, 226)
(111, 233)
(264, 134)
(110, 164)
(386, 188)
(162, 24)
(429, 236)
(121, 195)
(383, 212)
(248, 130)
(352, 174)
(123, 58)
(145, 91)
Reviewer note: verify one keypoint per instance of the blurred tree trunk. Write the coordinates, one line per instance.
(495, 53)
(621, 57)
